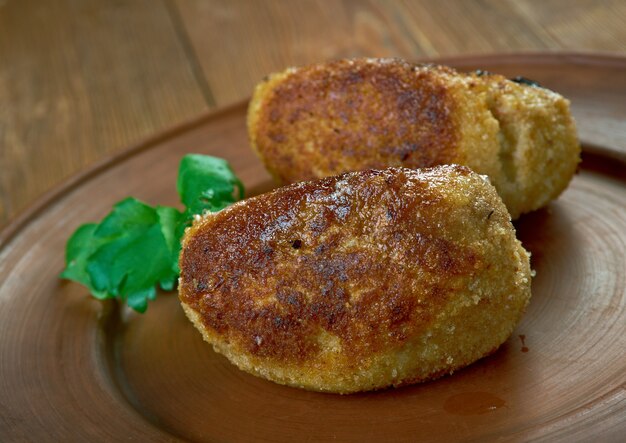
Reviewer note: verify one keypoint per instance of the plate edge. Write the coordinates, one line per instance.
(18, 222)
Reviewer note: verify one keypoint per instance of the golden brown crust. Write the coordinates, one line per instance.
(350, 115)
(339, 284)
(354, 115)
(539, 150)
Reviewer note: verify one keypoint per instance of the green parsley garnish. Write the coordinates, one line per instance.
(136, 246)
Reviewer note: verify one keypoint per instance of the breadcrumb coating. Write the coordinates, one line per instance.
(358, 282)
(351, 115)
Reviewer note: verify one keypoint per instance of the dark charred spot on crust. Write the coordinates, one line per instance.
(320, 249)
(354, 77)
(274, 115)
(406, 150)
(277, 137)
(525, 81)
(350, 109)
(274, 304)
(461, 170)
(391, 213)
(201, 286)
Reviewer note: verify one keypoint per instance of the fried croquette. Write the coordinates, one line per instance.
(352, 115)
(358, 282)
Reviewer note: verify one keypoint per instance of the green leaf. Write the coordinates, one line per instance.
(169, 219)
(139, 300)
(136, 253)
(207, 183)
(136, 246)
(79, 247)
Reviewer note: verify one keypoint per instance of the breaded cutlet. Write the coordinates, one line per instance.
(358, 282)
(351, 115)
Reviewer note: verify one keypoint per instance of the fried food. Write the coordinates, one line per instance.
(351, 115)
(360, 281)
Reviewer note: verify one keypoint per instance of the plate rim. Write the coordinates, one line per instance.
(19, 221)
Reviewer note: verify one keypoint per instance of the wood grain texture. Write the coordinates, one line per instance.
(75, 369)
(82, 80)
(582, 25)
(238, 42)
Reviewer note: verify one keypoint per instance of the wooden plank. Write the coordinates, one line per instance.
(238, 42)
(80, 80)
(587, 25)
(476, 27)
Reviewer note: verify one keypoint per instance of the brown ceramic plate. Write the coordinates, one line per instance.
(73, 368)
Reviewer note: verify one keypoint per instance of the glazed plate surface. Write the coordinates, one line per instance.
(74, 368)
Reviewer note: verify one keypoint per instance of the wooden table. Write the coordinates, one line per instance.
(80, 81)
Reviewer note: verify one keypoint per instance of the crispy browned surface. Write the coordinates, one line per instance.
(351, 115)
(359, 281)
